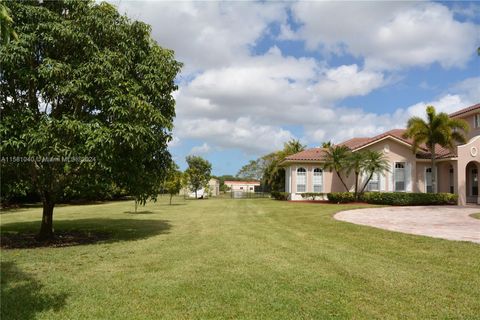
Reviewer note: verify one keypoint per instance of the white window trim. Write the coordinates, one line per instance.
(476, 120)
(404, 176)
(313, 180)
(425, 178)
(296, 179)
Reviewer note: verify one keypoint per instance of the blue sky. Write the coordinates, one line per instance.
(257, 74)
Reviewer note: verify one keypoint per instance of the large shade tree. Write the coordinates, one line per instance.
(85, 93)
(437, 130)
(6, 25)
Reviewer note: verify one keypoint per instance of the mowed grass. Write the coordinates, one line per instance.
(234, 259)
(475, 215)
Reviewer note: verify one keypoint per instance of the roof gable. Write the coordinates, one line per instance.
(465, 110)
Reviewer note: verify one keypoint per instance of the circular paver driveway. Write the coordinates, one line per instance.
(447, 222)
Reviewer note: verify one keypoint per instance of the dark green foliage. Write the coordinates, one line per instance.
(274, 173)
(438, 129)
(89, 88)
(410, 199)
(279, 195)
(341, 197)
(253, 170)
(396, 198)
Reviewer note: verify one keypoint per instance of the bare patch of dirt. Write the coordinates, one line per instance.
(62, 239)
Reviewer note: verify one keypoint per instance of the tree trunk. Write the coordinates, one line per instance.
(46, 229)
(171, 196)
(196, 194)
(136, 205)
(341, 180)
(434, 176)
(366, 183)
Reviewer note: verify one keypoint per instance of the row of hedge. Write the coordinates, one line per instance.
(279, 195)
(396, 198)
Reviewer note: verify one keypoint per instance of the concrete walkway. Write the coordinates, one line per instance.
(446, 222)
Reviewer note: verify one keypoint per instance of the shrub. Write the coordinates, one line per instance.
(279, 195)
(409, 199)
(313, 195)
(341, 197)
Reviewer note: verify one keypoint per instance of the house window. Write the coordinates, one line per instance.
(317, 180)
(301, 180)
(251, 188)
(476, 121)
(241, 188)
(374, 183)
(474, 182)
(428, 180)
(399, 176)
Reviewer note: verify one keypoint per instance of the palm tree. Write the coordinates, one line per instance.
(327, 144)
(291, 147)
(438, 129)
(337, 159)
(355, 163)
(6, 21)
(274, 174)
(374, 162)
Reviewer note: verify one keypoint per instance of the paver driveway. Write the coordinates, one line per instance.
(447, 222)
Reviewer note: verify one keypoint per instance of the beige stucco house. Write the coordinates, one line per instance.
(457, 171)
(242, 186)
(213, 190)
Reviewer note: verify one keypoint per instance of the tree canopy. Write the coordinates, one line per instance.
(274, 174)
(174, 182)
(437, 129)
(253, 170)
(86, 94)
(198, 172)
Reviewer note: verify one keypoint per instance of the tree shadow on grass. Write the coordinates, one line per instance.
(81, 232)
(23, 296)
(140, 212)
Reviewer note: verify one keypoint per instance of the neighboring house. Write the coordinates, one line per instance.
(457, 172)
(213, 190)
(242, 186)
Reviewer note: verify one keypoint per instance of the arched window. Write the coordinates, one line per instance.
(301, 180)
(317, 180)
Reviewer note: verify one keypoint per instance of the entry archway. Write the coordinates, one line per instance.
(472, 170)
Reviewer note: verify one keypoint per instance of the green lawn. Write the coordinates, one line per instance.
(235, 259)
(475, 215)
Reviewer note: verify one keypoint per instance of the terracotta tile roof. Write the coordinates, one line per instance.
(313, 154)
(228, 182)
(357, 143)
(317, 154)
(460, 112)
(441, 153)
